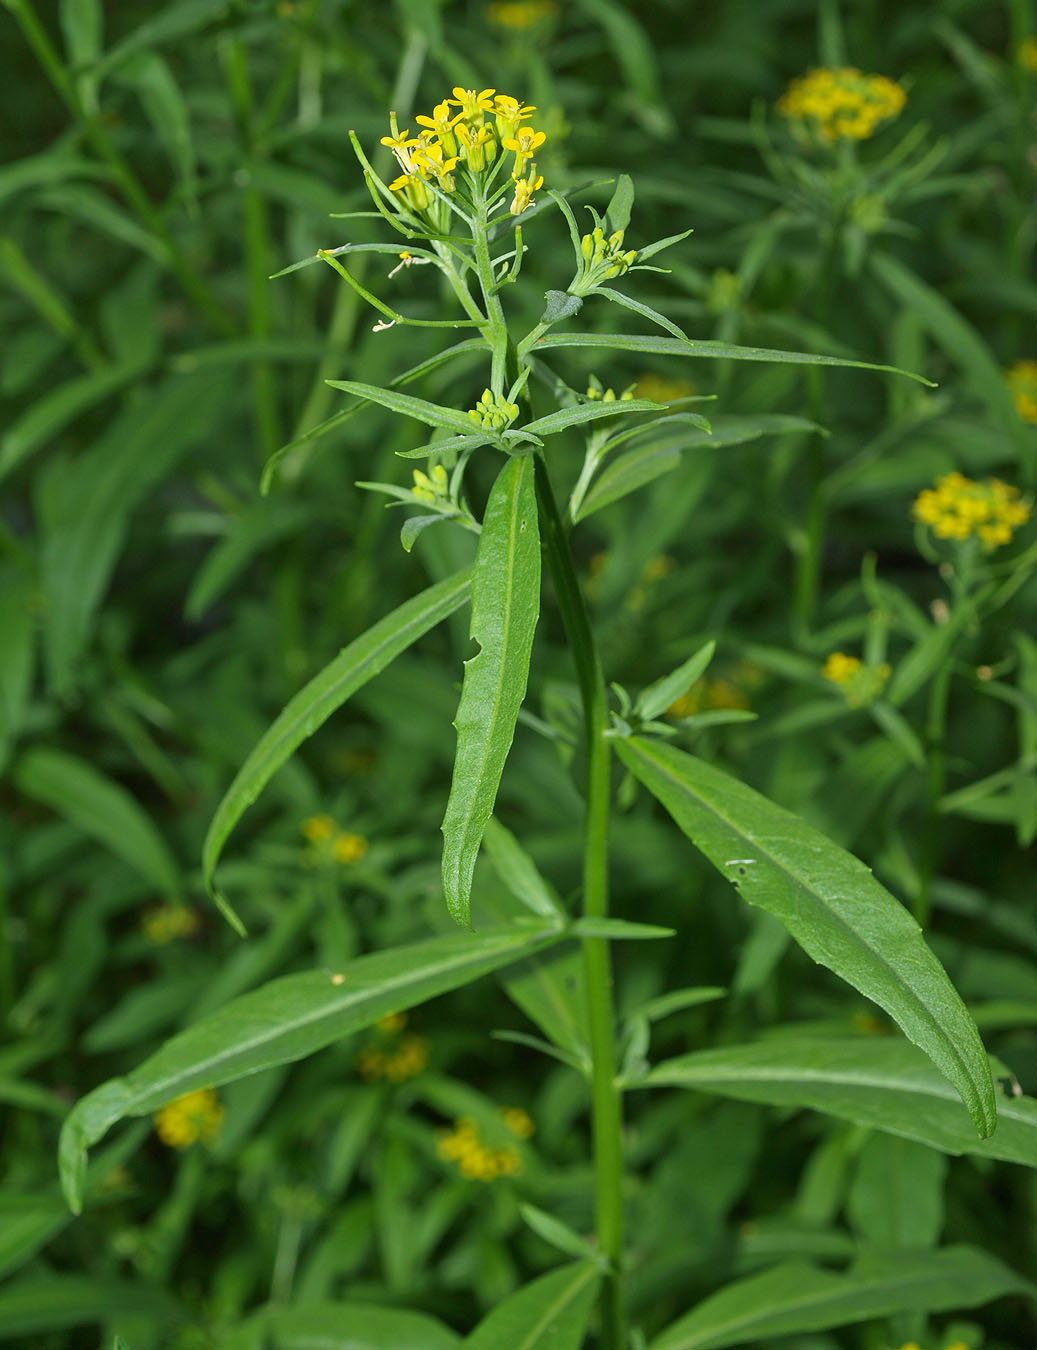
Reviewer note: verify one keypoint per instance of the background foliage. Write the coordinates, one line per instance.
(157, 611)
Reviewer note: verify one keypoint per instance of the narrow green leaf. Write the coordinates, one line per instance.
(718, 351)
(799, 1297)
(881, 1082)
(17, 658)
(434, 414)
(314, 704)
(588, 412)
(617, 213)
(559, 1234)
(645, 311)
(657, 246)
(657, 697)
(551, 1313)
(505, 608)
(830, 903)
(286, 1020)
(100, 808)
(341, 1326)
(27, 1223)
(166, 109)
(518, 871)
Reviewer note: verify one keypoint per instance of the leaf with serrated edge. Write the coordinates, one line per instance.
(286, 1020)
(505, 609)
(829, 902)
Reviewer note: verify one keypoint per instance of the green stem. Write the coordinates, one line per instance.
(936, 778)
(496, 330)
(606, 1105)
(127, 180)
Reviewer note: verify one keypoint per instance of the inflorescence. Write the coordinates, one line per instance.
(473, 131)
(1022, 384)
(196, 1115)
(959, 507)
(842, 101)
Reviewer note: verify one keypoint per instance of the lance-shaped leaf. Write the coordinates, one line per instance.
(314, 704)
(555, 422)
(551, 1313)
(880, 1082)
(718, 351)
(434, 414)
(505, 608)
(798, 1297)
(286, 1020)
(830, 903)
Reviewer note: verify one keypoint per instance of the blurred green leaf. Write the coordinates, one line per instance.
(551, 1313)
(798, 1297)
(100, 808)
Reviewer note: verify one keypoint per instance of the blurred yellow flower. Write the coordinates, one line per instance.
(661, 388)
(519, 15)
(958, 507)
(166, 922)
(318, 828)
(1027, 55)
(842, 101)
(196, 1115)
(348, 848)
(1022, 381)
(475, 1160)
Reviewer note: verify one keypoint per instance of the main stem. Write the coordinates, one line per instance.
(606, 1103)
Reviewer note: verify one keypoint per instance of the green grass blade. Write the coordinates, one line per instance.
(314, 704)
(283, 1021)
(829, 902)
(505, 609)
(434, 414)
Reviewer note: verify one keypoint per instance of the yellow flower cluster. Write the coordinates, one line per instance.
(331, 843)
(197, 1115)
(707, 696)
(471, 129)
(959, 507)
(519, 15)
(396, 1060)
(1022, 381)
(166, 922)
(475, 1159)
(493, 412)
(860, 684)
(1027, 54)
(842, 101)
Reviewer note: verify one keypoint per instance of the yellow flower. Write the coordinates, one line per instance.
(511, 113)
(349, 848)
(860, 684)
(1022, 377)
(197, 1115)
(524, 189)
(473, 104)
(476, 1160)
(167, 922)
(318, 828)
(519, 1122)
(958, 507)
(519, 15)
(525, 143)
(1027, 54)
(842, 102)
(661, 388)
